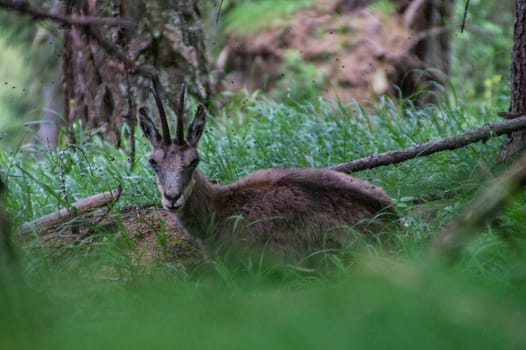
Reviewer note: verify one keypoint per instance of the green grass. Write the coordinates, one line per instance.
(379, 306)
(376, 295)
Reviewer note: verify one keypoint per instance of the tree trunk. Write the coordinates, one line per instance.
(99, 90)
(433, 50)
(516, 141)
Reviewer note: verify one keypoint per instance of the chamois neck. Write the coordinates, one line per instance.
(198, 211)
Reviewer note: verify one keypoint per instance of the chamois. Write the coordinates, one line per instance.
(288, 209)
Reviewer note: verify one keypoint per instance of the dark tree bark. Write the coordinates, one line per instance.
(517, 140)
(98, 87)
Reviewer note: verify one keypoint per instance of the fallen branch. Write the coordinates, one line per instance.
(80, 207)
(38, 13)
(485, 207)
(450, 143)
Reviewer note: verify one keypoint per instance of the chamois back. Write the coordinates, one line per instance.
(289, 209)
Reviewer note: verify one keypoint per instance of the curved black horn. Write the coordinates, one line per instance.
(180, 118)
(164, 122)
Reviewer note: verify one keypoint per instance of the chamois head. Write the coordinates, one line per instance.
(173, 160)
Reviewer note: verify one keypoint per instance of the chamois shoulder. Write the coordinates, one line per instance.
(312, 180)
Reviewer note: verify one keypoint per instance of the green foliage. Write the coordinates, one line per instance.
(301, 80)
(30, 56)
(14, 92)
(249, 17)
(381, 306)
(387, 7)
(22, 75)
(42, 180)
(482, 52)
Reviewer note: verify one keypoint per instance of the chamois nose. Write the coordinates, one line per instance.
(172, 198)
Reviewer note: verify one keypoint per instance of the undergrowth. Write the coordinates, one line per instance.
(386, 295)
(249, 17)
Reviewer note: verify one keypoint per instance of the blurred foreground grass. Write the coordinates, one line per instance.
(382, 304)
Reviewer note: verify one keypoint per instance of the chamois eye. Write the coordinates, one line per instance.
(194, 162)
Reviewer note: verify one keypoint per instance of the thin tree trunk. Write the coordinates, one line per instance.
(48, 130)
(517, 140)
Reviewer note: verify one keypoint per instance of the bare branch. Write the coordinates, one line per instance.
(38, 13)
(180, 116)
(450, 143)
(463, 25)
(82, 206)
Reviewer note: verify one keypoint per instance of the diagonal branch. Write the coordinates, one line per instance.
(485, 207)
(449, 143)
(38, 13)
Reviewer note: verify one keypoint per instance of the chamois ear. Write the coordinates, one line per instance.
(148, 127)
(195, 130)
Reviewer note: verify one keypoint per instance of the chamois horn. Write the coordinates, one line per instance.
(180, 118)
(164, 122)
